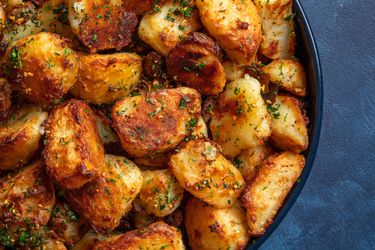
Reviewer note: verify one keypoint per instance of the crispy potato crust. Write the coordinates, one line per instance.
(103, 79)
(264, 196)
(89, 241)
(233, 71)
(155, 236)
(156, 122)
(20, 136)
(215, 228)
(42, 65)
(204, 172)
(154, 160)
(105, 200)
(5, 92)
(236, 26)
(194, 62)
(140, 7)
(74, 151)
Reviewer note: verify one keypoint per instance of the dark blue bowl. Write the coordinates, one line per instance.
(307, 52)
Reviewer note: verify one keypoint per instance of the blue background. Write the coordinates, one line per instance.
(336, 209)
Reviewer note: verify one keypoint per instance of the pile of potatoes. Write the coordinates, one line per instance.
(125, 123)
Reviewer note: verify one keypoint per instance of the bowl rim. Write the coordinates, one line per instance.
(317, 112)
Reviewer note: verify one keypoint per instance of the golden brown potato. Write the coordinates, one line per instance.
(233, 71)
(5, 91)
(140, 7)
(74, 151)
(205, 173)
(20, 136)
(26, 200)
(89, 241)
(289, 122)
(250, 160)
(156, 122)
(240, 120)
(288, 74)
(194, 62)
(154, 160)
(236, 26)
(200, 130)
(155, 236)
(278, 36)
(101, 24)
(160, 194)
(167, 26)
(103, 79)
(67, 224)
(42, 65)
(105, 200)
(263, 198)
(215, 228)
(2, 21)
(106, 133)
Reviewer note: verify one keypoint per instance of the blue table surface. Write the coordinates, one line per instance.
(336, 209)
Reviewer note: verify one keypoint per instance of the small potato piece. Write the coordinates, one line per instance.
(165, 28)
(250, 160)
(206, 174)
(278, 36)
(263, 198)
(154, 160)
(103, 79)
(288, 74)
(156, 122)
(236, 26)
(42, 65)
(5, 91)
(194, 62)
(155, 236)
(105, 200)
(215, 228)
(289, 122)
(240, 120)
(101, 24)
(233, 71)
(20, 136)
(140, 7)
(89, 241)
(73, 151)
(106, 133)
(160, 194)
(200, 130)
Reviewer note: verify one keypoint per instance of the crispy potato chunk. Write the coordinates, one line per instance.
(240, 120)
(67, 224)
(215, 228)
(278, 36)
(160, 194)
(20, 136)
(155, 236)
(140, 7)
(103, 79)
(233, 71)
(265, 195)
(101, 24)
(200, 130)
(288, 74)
(165, 28)
(156, 122)
(236, 26)
(194, 62)
(74, 151)
(89, 241)
(250, 160)
(154, 160)
(205, 173)
(26, 199)
(105, 200)
(289, 122)
(42, 65)
(106, 133)
(5, 92)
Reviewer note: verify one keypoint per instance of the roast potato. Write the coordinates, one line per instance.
(74, 151)
(205, 173)
(288, 74)
(89, 241)
(20, 135)
(103, 79)
(106, 199)
(101, 24)
(200, 130)
(155, 236)
(5, 92)
(103, 123)
(236, 26)
(156, 122)
(278, 36)
(42, 65)
(140, 7)
(289, 122)
(240, 120)
(233, 71)
(194, 62)
(215, 228)
(264, 196)
(154, 160)
(160, 194)
(164, 28)
(2, 21)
